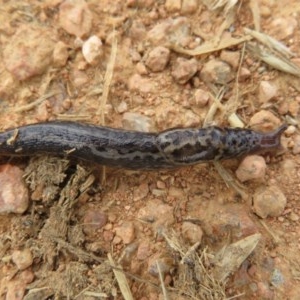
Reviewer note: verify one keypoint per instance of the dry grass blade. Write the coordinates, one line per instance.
(121, 278)
(281, 64)
(161, 279)
(63, 117)
(256, 13)
(35, 103)
(230, 181)
(270, 42)
(209, 47)
(227, 4)
(195, 279)
(108, 79)
(214, 107)
(229, 259)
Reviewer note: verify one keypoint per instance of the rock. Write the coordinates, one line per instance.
(267, 91)
(269, 202)
(184, 69)
(92, 50)
(13, 194)
(244, 74)
(15, 290)
(226, 220)
(282, 28)
(231, 57)
(144, 250)
(294, 217)
(157, 59)
(296, 146)
(290, 130)
(264, 291)
(137, 31)
(176, 193)
(60, 54)
(216, 71)
(174, 31)
(136, 121)
(75, 17)
(141, 68)
(189, 6)
(93, 220)
(28, 53)
(293, 108)
(158, 213)
(264, 120)
(173, 5)
(126, 232)
(141, 192)
(201, 97)
(165, 264)
(251, 168)
(22, 259)
(122, 107)
(138, 83)
(192, 232)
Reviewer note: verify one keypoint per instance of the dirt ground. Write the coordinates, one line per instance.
(74, 230)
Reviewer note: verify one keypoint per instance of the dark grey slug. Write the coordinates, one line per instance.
(136, 150)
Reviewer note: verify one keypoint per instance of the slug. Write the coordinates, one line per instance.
(133, 149)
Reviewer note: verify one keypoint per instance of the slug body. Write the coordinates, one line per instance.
(136, 150)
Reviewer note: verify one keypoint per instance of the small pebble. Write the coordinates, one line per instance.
(141, 68)
(244, 74)
(92, 50)
(16, 290)
(189, 6)
(296, 146)
(141, 192)
(282, 28)
(144, 250)
(25, 55)
(269, 202)
(157, 59)
(13, 193)
(293, 217)
(264, 291)
(277, 278)
(138, 83)
(216, 71)
(22, 259)
(201, 97)
(264, 120)
(290, 130)
(293, 108)
(126, 232)
(137, 31)
(93, 220)
(176, 31)
(192, 232)
(136, 121)
(251, 168)
(267, 91)
(60, 54)
(75, 17)
(184, 69)
(231, 57)
(165, 265)
(173, 5)
(157, 212)
(122, 107)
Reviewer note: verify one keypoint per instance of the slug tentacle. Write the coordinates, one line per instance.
(136, 150)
